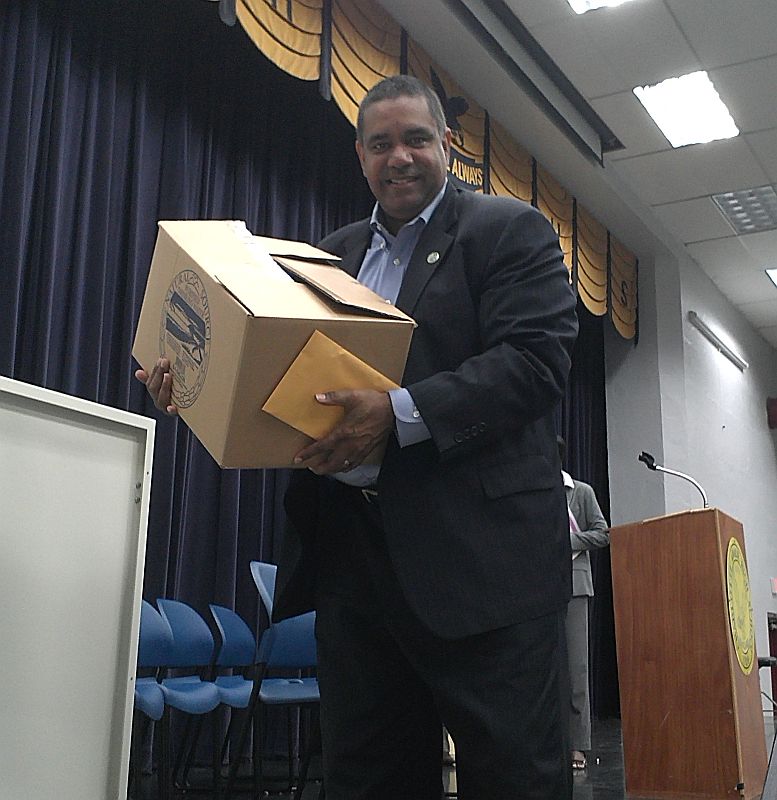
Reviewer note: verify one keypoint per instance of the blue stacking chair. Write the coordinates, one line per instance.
(288, 646)
(237, 653)
(154, 645)
(264, 576)
(192, 649)
(264, 579)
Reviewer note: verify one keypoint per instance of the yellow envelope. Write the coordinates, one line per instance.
(321, 366)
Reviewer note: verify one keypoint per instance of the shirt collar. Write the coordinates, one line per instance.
(568, 481)
(425, 215)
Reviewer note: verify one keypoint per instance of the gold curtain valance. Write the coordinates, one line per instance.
(511, 167)
(463, 115)
(623, 289)
(361, 44)
(591, 261)
(289, 33)
(557, 205)
(365, 49)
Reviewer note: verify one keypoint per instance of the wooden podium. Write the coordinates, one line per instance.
(687, 667)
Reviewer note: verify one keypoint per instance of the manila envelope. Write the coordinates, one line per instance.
(321, 366)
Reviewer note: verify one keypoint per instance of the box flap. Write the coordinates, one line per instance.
(286, 248)
(250, 285)
(339, 286)
(215, 243)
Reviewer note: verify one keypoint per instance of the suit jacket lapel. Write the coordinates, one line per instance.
(355, 248)
(429, 253)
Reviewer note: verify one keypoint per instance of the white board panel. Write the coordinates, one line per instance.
(74, 489)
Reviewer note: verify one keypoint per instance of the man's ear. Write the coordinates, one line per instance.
(360, 153)
(446, 143)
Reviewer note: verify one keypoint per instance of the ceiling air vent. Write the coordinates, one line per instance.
(749, 210)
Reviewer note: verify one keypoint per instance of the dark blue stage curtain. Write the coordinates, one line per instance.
(583, 424)
(113, 115)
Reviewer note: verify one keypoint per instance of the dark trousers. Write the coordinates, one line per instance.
(388, 684)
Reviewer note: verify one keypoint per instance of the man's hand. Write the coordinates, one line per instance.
(159, 385)
(367, 422)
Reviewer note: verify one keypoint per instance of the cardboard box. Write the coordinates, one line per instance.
(231, 322)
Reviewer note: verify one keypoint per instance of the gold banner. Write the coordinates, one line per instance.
(287, 32)
(365, 49)
(465, 118)
(591, 262)
(623, 289)
(511, 167)
(557, 204)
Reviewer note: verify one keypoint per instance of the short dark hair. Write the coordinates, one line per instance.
(401, 86)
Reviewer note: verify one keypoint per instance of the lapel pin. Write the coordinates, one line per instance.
(433, 257)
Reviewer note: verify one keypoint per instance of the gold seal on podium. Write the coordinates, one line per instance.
(740, 608)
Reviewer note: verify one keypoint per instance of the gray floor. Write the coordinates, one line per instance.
(602, 780)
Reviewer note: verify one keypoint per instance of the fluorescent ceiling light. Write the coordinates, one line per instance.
(688, 109)
(772, 273)
(716, 341)
(581, 6)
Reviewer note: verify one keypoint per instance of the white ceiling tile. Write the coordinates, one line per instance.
(536, 12)
(722, 257)
(725, 32)
(762, 312)
(748, 90)
(693, 171)
(615, 49)
(607, 52)
(574, 52)
(629, 121)
(746, 287)
(693, 220)
(762, 247)
(641, 42)
(764, 146)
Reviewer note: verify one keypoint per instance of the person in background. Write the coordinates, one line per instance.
(411, 566)
(448, 749)
(588, 530)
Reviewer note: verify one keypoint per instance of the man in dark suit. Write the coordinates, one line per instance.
(441, 586)
(441, 579)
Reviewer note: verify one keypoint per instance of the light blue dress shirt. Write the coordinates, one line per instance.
(383, 268)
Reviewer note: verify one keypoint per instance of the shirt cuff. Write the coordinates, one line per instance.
(411, 428)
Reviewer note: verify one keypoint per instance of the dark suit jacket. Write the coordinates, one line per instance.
(475, 519)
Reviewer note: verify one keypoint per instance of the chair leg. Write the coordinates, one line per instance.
(164, 778)
(235, 757)
(234, 763)
(314, 738)
(228, 735)
(257, 774)
(136, 738)
(183, 752)
(191, 751)
(216, 753)
(290, 748)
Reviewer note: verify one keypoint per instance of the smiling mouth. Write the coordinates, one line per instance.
(403, 181)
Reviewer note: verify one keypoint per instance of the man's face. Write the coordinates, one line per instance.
(403, 157)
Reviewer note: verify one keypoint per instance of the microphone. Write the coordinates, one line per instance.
(650, 463)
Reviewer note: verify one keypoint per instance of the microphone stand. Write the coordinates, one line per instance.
(650, 463)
